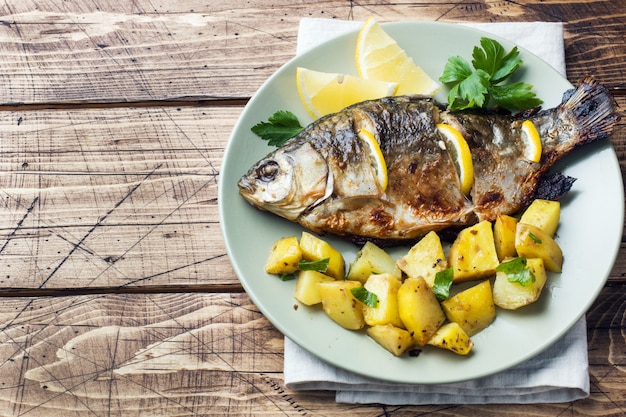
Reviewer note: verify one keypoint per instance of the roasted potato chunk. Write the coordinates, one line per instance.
(284, 256)
(532, 242)
(419, 309)
(394, 339)
(451, 336)
(306, 287)
(314, 249)
(340, 305)
(372, 260)
(385, 286)
(424, 259)
(473, 253)
(473, 309)
(504, 236)
(513, 295)
(544, 214)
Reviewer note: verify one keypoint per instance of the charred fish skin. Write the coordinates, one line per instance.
(424, 190)
(505, 182)
(323, 178)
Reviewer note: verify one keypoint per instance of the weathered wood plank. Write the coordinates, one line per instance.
(213, 354)
(175, 354)
(72, 52)
(121, 197)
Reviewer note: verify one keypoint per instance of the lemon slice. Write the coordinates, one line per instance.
(376, 157)
(531, 141)
(461, 155)
(325, 92)
(379, 57)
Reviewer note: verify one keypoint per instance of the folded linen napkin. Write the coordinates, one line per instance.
(559, 374)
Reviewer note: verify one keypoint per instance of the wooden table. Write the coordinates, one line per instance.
(118, 298)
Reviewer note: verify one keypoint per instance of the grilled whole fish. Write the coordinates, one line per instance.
(324, 180)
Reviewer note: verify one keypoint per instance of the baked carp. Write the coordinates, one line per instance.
(324, 180)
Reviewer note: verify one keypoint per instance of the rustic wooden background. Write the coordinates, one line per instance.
(116, 295)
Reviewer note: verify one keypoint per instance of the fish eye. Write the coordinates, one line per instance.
(268, 171)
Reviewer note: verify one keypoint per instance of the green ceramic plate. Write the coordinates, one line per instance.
(590, 231)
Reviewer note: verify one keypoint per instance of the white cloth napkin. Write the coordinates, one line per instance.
(559, 374)
(544, 39)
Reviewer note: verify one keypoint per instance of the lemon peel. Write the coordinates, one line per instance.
(460, 152)
(531, 141)
(376, 157)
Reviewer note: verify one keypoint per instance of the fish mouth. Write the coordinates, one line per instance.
(246, 188)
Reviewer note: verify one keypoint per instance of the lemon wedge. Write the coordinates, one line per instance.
(325, 92)
(461, 155)
(379, 57)
(376, 157)
(531, 141)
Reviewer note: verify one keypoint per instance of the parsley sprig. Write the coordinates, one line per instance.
(320, 265)
(517, 271)
(442, 284)
(366, 297)
(279, 128)
(482, 86)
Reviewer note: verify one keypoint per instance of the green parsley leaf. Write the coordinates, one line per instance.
(320, 265)
(279, 128)
(471, 92)
(533, 237)
(492, 59)
(443, 282)
(366, 297)
(480, 86)
(456, 70)
(514, 95)
(287, 277)
(517, 271)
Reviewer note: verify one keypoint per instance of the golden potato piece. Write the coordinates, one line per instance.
(314, 249)
(419, 309)
(394, 339)
(473, 253)
(473, 309)
(424, 259)
(452, 337)
(284, 256)
(504, 236)
(385, 286)
(340, 305)
(532, 242)
(513, 295)
(544, 214)
(372, 260)
(306, 287)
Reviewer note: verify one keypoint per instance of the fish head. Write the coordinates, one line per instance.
(288, 181)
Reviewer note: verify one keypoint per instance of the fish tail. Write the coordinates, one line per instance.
(593, 108)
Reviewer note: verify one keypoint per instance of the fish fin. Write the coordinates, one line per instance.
(594, 110)
(553, 187)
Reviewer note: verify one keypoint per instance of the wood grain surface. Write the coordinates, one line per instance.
(214, 354)
(124, 52)
(107, 194)
(117, 297)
